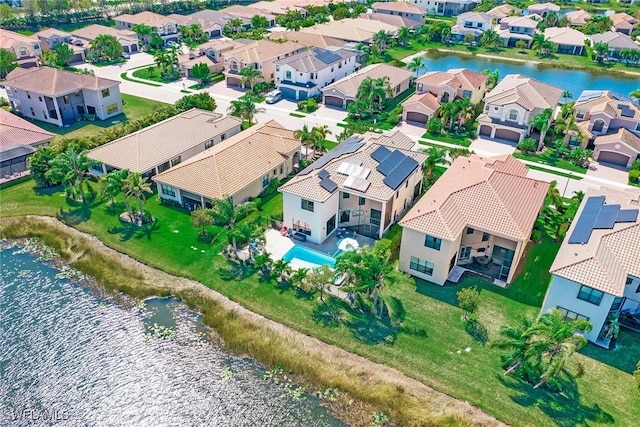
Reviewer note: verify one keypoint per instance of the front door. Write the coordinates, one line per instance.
(505, 256)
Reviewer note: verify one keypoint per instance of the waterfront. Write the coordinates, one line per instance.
(86, 359)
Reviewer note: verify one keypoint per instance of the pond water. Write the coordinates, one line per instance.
(71, 357)
(574, 81)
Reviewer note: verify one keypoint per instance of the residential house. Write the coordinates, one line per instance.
(542, 9)
(475, 218)
(210, 53)
(19, 139)
(474, 23)
(515, 28)
(188, 61)
(219, 18)
(617, 42)
(247, 12)
(279, 7)
(27, 49)
(621, 148)
(307, 39)
(436, 87)
(623, 23)
(446, 7)
(127, 38)
(344, 91)
(364, 185)
(510, 106)
(400, 8)
(393, 20)
(502, 11)
(578, 18)
(210, 28)
(240, 167)
(596, 272)
(165, 27)
(62, 97)
(566, 39)
(355, 30)
(157, 148)
(49, 38)
(259, 55)
(302, 75)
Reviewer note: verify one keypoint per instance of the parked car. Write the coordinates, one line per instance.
(273, 97)
(126, 55)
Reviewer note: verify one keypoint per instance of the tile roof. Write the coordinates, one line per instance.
(456, 78)
(15, 130)
(542, 7)
(246, 12)
(610, 254)
(147, 148)
(399, 6)
(309, 60)
(51, 81)
(50, 32)
(262, 50)
(395, 20)
(520, 21)
(8, 39)
(503, 11)
(623, 21)
(578, 17)
(615, 40)
(147, 18)
(90, 32)
(307, 39)
(564, 35)
(219, 45)
(351, 29)
(230, 166)
(621, 136)
(491, 194)
(307, 185)
(349, 85)
(187, 20)
(216, 16)
(276, 7)
(524, 91)
(422, 101)
(475, 17)
(607, 102)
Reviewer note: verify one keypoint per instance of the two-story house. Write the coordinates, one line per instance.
(515, 28)
(616, 42)
(157, 148)
(400, 8)
(302, 75)
(510, 106)
(127, 38)
(473, 218)
(210, 53)
(446, 7)
(165, 27)
(26, 49)
(364, 185)
(62, 97)
(49, 38)
(596, 273)
(246, 13)
(260, 55)
(436, 87)
(210, 28)
(474, 23)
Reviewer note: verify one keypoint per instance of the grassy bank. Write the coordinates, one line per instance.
(424, 339)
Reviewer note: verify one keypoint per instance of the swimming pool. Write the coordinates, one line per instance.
(307, 258)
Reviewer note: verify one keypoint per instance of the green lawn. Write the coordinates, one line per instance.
(426, 338)
(463, 139)
(134, 107)
(151, 73)
(548, 157)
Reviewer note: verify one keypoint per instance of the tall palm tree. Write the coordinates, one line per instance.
(553, 195)
(375, 91)
(542, 122)
(245, 108)
(491, 40)
(144, 32)
(249, 75)
(71, 168)
(113, 183)
(492, 77)
(403, 36)
(416, 64)
(137, 186)
(516, 340)
(306, 137)
(228, 215)
(566, 96)
(435, 156)
(235, 24)
(321, 133)
(382, 40)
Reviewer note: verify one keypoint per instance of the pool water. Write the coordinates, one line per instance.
(300, 256)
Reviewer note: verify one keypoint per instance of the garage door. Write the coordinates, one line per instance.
(413, 116)
(233, 81)
(613, 157)
(333, 100)
(288, 93)
(302, 95)
(215, 33)
(134, 48)
(485, 130)
(507, 134)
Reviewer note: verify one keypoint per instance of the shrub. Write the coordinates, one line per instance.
(635, 165)
(527, 145)
(468, 299)
(634, 176)
(536, 235)
(434, 126)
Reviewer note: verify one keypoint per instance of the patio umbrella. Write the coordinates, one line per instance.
(348, 244)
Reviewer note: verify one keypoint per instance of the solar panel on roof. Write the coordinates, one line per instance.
(326, 56)
(606, 217)
(380, 154)
(357, 183)
(348, 146)
(400, 172)
(323, 174)
(582, 230)
(328, 185)
(625, 111)
(589, 94)
(390, 162)
(627, 215)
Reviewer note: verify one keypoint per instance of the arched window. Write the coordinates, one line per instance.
(23, 52)
(598, 125)
(445, 97)
(513, 115)
(234, 65)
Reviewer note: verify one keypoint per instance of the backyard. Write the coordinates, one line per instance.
(425, 338)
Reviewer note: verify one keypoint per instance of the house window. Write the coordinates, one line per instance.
(105, 92)
(513, 115)
(208, 144)
(281, 169)
(167, 190)
(176, 161)
(28, 95)
(432, 242)
(361, 201)
(571, 315)
(617, 303)
(469, 230)
(305, 229)
(376, 216)
(331, 224)
(44, 114)
(591, 295)
(66, 99)
(33, 113)
(580, 114)
(397, 89)
(485, 237)
(23, 52)
(287, 75)
(466, 94)
(275, 172)
(638, 126)
(598, 125)
(112, 108)
(307, 205)
(421, 266)
(344, 216)
(629, 281)
(265, 181)
(346, 195)
(465, 252)
(40, 98)
(223, 137)
(419, 87)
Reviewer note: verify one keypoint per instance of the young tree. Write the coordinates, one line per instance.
(521, 45)
(203, 101)
(491, 40)
(200, 219)
(320, 278)
(156, 41)
(320, 133)
(434, 126)
(468, 299)
(542, 122)
(8, 61)
(39, 164)
(235, 25)
(64, 54)
(245, 108)
(113, 183)
(202, 73)
(105, 48)
(528, 145)
(375, 91)
(306, 137)
(137, 186)
(601, 51)
(50, 58)
(249, 75)
(228, 215)
(403, 36)
(492, 77)
(71, 168)
(416, 64)
(382, 40)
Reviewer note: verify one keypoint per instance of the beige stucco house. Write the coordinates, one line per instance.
(400, 8)
(353, 30)
(621, 148)
(27, 50)
(85, 35)
(240, 167)
(566, 39)
(19, 139)
(578, 18)
(623, 23)
(164, 26)
(479, 216)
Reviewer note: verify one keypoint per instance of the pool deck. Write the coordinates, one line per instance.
(278, 245)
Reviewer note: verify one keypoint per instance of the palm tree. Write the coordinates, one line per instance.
(515, 339)
(416, 64)
(71, 168)
(143, 31)
(448, 112)
(228, 215)
(245, 108)
(566, 96)
(235, 24)
(436, 156)
(137, 186)
(601, 50)
(491, 40)
(403, 36)
(249, 75)
(542, 122)
(113, 183)
(306, 137)
(553, 195)
(537, 43)
(464, 108)
(375, 91)
(492, 77)
(382, 40)
(320, 133)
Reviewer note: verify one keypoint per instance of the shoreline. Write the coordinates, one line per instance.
(369, 384)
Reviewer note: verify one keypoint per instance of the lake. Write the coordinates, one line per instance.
(71, 356)
(571, 80)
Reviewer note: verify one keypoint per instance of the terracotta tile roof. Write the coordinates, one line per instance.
(623, 21)
(147, 148)
(457, 78)
(307, 39)
(491, 194)
(92, 31)
(622, 136)
(503, 11)
(615, 40)
(578, 17)
(215, 16)
(220, 45)
(398, 6)
(610, 255)
(230, 166)
(607, 102)
(276, 7)
(423, 102)
(8, 39)
(543, 7)
(351, 29)
(564, 35)
(246, 12)
(50, 32)
(524, 91)
(520, 21)
(308, 60)
(187, 20)
(187, 62)
(15, 130)
(395, 20)
(148, 18)
(349, 85)
(51, 81)
(307, 184)
(263, 50)
(475, 17)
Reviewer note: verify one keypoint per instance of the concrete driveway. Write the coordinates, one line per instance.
(608, 172)
(490, 147)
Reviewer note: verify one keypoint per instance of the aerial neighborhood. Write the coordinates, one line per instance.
(424, 181)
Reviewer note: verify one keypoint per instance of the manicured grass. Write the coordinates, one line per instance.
(134, 107)
(151, 73)
(565, 175)
(329, 145)
(425, 339)
(548, 157)
(124, 76)
(298, 115)
(463, 139)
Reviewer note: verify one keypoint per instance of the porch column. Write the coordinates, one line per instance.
(202, 202)
(493, 132)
